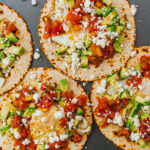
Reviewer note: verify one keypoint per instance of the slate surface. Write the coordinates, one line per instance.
(31, 14)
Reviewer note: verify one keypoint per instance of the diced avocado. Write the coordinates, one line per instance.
(142, 143)
(79, 51)
(112, 28)
(122, 21)
(16, 50)
(143, 116)
(7, 61)
(29, 111)
(88, 52)
(118, 44)
(108, 19)
(1, 25)
(107, 2)
(2, 55)
(88, 42)
(84, 61)
(61, 50)
(79, 111)
(68, 133)
(124, 73)
(112, 77)
(71, 3)
(6, 108)
(58, 92)
(40, 147)
(4, 129)
(109, 10)
(105, 10)
(135, 109)
(130, 105)
(125, 94)
(119, 29)
(140, 99)
(63, 85)
(11, 37)
(118, 47)
(76, 123)
(4, 42)
(130, 125)
(61, 103)
(11, 114)
(146, 103)
(124, 113)
(98, 10)
(119, 39)
(138, 68)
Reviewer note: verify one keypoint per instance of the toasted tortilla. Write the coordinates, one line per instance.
(107, 66)
(51, 76)
(111, 129)
(22, 65)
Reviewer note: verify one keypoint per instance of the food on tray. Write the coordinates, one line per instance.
(122, 103)
(82, 37)
(46, 111)
(15, 48)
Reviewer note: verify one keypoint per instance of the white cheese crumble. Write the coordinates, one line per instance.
(37, 55)
(118, 119)
(134, 136)
(63, 137)
(101, 89)
(26, 142)
(129, 26)
(33, 76)
(46, 146)
(17, 135)
(65, 27)
(74, 100)
(38, 113)
(136, 121)
(71, 124)
(34, 2)
(133, 10)
(133, 53)
(75, 62)
(36, 97)
(2, 81)
(59, 114)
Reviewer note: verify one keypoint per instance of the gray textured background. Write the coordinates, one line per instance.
(31, 14)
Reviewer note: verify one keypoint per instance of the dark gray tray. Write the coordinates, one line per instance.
(31, 14)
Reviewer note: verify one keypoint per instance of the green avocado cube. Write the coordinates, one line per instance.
(63, 85)
(79, 111)
(16, 50)
(29, 111)
(4, 129)
(11, 37)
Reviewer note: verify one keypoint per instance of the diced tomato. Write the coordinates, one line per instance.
(147, 74)
(31, 145)
(104, 123)
(12, 27)
(135, 81)
(70, 108)
(78, 3)
(144, 66)
(103, 103)
(64, 122)
(57, 28)
(77, 138)
(25, 89)
(24, 132)
(74, 17)
(44, 103)
(19, 143)
(123, 132)
(16, 121)
(82, 100)
(99, 4)
(47, 32)
(68, 96)
(43, 87)
(20, 102)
